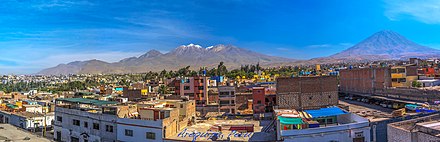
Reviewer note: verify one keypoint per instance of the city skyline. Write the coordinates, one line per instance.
(41, 34)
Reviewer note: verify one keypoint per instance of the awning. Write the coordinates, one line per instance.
(290, 120)
(324, 112)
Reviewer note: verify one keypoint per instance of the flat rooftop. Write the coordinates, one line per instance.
(433, 125)
(87, 101)
(11, 133)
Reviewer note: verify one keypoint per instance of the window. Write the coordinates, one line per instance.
(310, 97)
(109, 128)
(258, 102)
(329, 96)
(394, 79)
(59, 118)
(401, 80)
(76, 122)
(393, 70)
(96, 126)
(200, 87)
(74, 139)
(329, 121)
(181, 105)
(128, 132)
(151, 135)
(185, 87)
(224, 93)
(201, 80)
(400, 70)
(86, 124)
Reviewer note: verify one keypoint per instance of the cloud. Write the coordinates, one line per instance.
(426, 11)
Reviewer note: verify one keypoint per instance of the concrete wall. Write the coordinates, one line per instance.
(396, 134)
(67, 124)
(140, 128)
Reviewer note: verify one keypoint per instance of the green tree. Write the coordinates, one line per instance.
(416, 84)
(163, 89)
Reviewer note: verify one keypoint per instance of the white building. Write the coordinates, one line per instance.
(83, 120)
(342, 127)
(131, 130)
(27, 120)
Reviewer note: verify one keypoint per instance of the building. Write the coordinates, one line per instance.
(263, 99)
(423, 129)
(196, 88)
(18, 96)
(403, 76)
(78, 119)
(325, 124)
(27, 120)
(307, 92)
(364, 80)
(132, 93)
(227, 99)
(156, 120)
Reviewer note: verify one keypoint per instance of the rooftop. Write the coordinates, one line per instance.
(87, 101)
(11, 133)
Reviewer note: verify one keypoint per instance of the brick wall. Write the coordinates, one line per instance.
(307, 92)
(364, 80)
(241, 100)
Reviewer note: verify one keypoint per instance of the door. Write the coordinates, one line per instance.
(58, 136)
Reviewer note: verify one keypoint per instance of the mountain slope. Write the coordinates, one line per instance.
(185, 55)
(385, 45)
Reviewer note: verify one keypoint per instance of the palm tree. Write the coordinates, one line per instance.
(163, 89)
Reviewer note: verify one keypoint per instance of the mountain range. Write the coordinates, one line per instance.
(383, 45)
(191, 55)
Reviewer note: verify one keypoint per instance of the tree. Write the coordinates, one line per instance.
(416, 84)
(163, 89)
(221, 69)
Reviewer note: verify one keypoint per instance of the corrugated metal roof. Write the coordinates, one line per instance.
(324, 112)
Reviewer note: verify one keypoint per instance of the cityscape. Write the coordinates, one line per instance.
(208, 70)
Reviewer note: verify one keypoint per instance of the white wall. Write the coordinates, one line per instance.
(342, 132)
(140, 128)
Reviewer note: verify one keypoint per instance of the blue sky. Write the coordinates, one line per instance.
(38, 34)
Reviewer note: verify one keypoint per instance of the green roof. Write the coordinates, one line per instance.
(87, 101)
(11, 106)
(290, 120)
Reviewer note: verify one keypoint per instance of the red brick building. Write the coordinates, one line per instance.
(132, 94)
(258, 100)
(364, 80)
(307, 92)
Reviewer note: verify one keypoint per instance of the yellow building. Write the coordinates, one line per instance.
(403, 76)
(144, 91)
